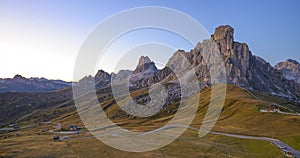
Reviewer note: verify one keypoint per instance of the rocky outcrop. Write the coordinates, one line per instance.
(249, 71)
(290, 69)
(145, 67)
(121, 77)
(143, 74)
(102, 79)
(224, 37)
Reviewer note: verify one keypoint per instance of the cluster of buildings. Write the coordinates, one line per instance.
(270, 108)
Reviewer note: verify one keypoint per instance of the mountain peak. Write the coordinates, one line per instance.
(288, 64)
(292, 61)
(144, 60)
(145, 64)
(102, 79)
(223, 32)
(224, 35)
(144, 70)
(290, 69)
(17, 76)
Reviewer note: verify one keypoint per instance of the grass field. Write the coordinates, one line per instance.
(30, 144)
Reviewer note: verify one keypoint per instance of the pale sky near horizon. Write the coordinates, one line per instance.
(42, 38)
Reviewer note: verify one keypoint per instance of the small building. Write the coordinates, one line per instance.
(2, 124)
(13, 126)
(74, 128)
(270, 108)
(55, 137)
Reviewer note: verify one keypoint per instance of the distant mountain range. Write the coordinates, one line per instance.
(22, 84)
(242, 69)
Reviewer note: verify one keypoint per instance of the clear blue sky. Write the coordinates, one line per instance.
(42, 38)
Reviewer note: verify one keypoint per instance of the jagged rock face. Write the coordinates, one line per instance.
(121, 77)
(102, 79)
(143, 75)
(268, 79)
(237, 56)
(144, 60)
(224, 37)
(251, 72)
(290, 69)
(85, 81)
(22, 84)
(145, 66)
(242, 68)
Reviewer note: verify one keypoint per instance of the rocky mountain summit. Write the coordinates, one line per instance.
(145, 69)
(145, 66)
(290, 69)
(249, 71)
(22, 84)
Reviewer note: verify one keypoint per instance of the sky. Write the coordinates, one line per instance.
(41, 38)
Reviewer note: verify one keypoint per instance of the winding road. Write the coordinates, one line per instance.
(281, 145)
(286, 149)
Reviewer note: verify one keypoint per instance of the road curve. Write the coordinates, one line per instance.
(281, 145)
(288, 150)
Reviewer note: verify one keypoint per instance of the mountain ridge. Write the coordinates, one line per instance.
(21, 84)
(243, 69)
